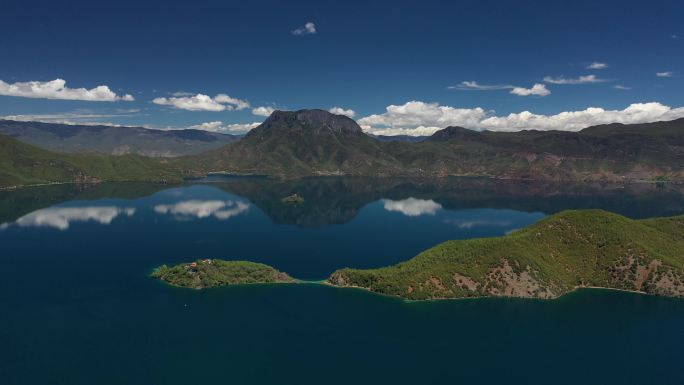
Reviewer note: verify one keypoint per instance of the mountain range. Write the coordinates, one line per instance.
(22, 164)
(304, 143)
(115, 140)
(315, 142)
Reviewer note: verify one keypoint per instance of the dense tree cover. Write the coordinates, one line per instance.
(205, 273)
(554, 256)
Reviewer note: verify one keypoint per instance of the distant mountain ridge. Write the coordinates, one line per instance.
(23, 164)
(399, 138)
(295, 144)
(115, 140)
(316, 142)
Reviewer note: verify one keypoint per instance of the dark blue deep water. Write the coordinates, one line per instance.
(77, 307)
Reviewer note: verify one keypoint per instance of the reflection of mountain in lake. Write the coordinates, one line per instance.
(338, 200)
(18, 203)
(326, 200)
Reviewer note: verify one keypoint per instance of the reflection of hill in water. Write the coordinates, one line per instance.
(17, 203)
(326, 200)
(338, 200)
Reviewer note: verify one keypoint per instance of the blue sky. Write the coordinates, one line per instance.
(356, 55)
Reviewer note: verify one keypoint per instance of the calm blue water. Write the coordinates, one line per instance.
(78, 307)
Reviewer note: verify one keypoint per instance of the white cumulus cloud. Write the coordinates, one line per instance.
(666, 74)
(419, 118)
(57, 89)
(263, 111)
(238, 104)
(410, 131)
(577, 120)
(428, 115)
(341, 111)
(580, 80)
(220, 127)
(537, 89)
(202, 102)
(308, 29)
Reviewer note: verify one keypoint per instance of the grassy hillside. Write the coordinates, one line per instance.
(560, 253)
(24, 164)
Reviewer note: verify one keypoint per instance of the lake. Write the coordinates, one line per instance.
(78, 306)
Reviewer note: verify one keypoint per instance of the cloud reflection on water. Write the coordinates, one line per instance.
(470, 223)
(190, 209)
(412, 207)
(61, 217)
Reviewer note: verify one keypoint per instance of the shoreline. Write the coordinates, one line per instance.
(325, 283)
(381, 176)
(24, 186)
(574, 290)
(21, 186)
(617, 180)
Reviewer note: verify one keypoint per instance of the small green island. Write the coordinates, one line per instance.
(294, 199)
(563, 252)
(206, 273)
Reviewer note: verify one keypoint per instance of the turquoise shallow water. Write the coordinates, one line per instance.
(78, 307)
